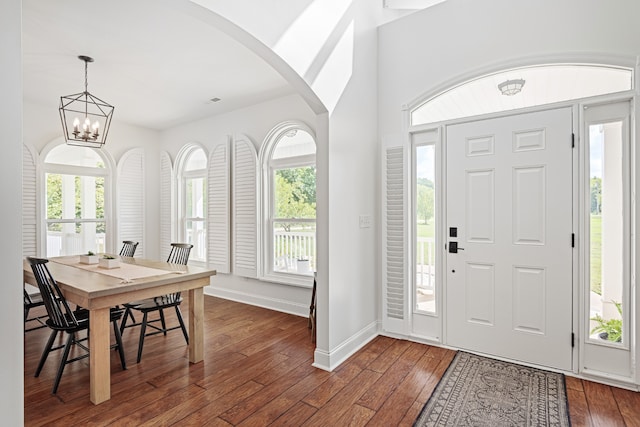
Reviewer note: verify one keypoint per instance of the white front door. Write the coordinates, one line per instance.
(509, 210)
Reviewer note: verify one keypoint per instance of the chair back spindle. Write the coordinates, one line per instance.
(179, 253)
(128, 248)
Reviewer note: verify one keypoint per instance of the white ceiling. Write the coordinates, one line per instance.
(157, 65)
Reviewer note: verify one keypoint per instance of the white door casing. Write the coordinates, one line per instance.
(509, 195)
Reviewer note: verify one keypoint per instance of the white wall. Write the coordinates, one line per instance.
(11, 335)
(255, 122)
(353, 168)
(426, 49)
(331, 45)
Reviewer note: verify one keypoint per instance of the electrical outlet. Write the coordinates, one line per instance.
(365, 221)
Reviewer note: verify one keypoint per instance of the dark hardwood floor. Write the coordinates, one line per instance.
(257, 371)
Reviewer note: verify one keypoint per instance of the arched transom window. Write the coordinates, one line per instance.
(522, 87)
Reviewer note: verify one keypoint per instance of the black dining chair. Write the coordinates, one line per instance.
(33, 301)
(179, 255)
(63, 319)
(128, 248)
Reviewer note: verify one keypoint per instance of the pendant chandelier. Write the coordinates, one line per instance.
(85, 117)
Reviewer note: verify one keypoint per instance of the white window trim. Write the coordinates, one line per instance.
(621, 62)
(109, 175)
(628, 266)
(265, 247)
(180, 208)
(431, 137)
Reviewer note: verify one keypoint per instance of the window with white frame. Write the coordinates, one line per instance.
(425, 217)
(76, 182)
(290, 194)
(608, 212)
(534, 85)
(193, 200)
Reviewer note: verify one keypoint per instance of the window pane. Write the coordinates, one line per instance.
(69, 155)
(294, 247)
(75, 238)
(295, 192)
(195, 197)
(75, 197)
(197, 236)
(606, 224)
(294, 143)
(197, 160)
(425, 209)
(544, 84)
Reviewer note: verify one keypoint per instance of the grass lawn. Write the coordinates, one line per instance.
(425, 230)
(596, 254)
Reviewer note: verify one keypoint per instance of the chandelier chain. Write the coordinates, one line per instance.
(86, 88)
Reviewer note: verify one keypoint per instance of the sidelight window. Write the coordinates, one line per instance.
(608, 222)
(425, 217)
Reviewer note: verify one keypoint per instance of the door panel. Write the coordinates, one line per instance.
(509, 192)
(480, 291)
(529, 210)
(480, 215)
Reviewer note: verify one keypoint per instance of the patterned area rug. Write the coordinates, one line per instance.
(477, 391)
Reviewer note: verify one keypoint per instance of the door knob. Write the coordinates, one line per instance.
(453, 248)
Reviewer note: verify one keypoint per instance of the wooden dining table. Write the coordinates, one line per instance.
(98, 289)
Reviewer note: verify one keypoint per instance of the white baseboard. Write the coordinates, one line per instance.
(608, 379)
(328, 361)
(260, 301)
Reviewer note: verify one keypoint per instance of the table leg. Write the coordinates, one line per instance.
(196, 330)
(99, 360)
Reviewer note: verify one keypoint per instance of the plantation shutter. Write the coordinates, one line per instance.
(244, 193)
(218, 217)
(131, 191)
(29, 208)
(394, 232)
(166, 193)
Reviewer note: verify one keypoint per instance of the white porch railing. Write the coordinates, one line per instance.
(60, 243)
(425, 263)
(294, 251)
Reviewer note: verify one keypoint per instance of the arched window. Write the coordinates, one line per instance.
(78, 202)
(522, 87)
(192, 200)
(288, 160)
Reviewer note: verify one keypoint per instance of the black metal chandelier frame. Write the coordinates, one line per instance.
(88, 108)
